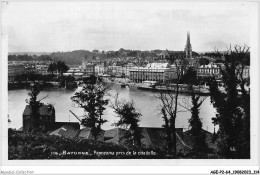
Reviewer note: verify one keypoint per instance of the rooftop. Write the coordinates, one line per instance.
(44, 110)
(157, 65)
(66, 132)
(209, 66)
(88, 133)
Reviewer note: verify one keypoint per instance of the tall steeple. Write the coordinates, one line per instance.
(188, 38)
(188, 48)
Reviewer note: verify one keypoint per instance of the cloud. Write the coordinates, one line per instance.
(63, 26)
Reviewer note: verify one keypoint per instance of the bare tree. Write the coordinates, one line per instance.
(169, 102)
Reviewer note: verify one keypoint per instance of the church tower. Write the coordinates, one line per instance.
(188, 49)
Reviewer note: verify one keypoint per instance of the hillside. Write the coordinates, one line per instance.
(28, 146)
(71, 58)
(24, 146)
(75, 57)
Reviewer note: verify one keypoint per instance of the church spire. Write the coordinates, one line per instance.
(188, 38)
(188, 48)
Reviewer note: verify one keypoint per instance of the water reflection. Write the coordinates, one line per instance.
(145, 102)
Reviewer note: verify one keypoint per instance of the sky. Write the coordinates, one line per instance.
(67, 26)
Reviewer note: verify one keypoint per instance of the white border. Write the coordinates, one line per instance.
(207, 164)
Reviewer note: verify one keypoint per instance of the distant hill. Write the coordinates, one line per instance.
(29, 53)
(76, 57)
(25, 57)
(73, 57)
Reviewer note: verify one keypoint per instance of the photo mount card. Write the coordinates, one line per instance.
(130, 83)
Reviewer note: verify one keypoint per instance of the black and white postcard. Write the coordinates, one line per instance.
(166, 82)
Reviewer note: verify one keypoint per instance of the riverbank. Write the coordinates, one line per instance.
(26, 85)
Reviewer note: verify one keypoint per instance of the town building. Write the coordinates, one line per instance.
(209, 71)
(152, 72)
(75, 72)
(87, 68)
(100, 69)
(126, 69)
(215, 70)
(170, 74)
(30, 69)
(46, 117)
(14, 70)
(245, 73)
(66, 131)
(42, 69)
(116, 69)
(46, 120)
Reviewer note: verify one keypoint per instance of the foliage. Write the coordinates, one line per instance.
(196, 132)
(203, 61)
(52, 68)
(195, 54)
(233, 109)
(169, 101)
(59, 66)
(166, 125)
(213, 54)
(129, 118)
(71, 58)
(91, 99)
(173, 57)
(24, 146)
(190, 77)
(35, 104)
(25, 57)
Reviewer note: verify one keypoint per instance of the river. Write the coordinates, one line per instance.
(145, 102)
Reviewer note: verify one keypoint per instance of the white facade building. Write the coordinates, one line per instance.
(209, 70)
(152, 72)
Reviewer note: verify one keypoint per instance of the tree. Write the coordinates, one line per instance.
(61, 67)
(192, 103)
(233, 110)
(169, 99)
(203, 61)
(166, 125)
(196, 132)
(91, 99)
(52, 68)
(35, 104)
(190, 76)
(129, 118)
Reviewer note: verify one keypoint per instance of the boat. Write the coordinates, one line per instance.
(183, 88)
